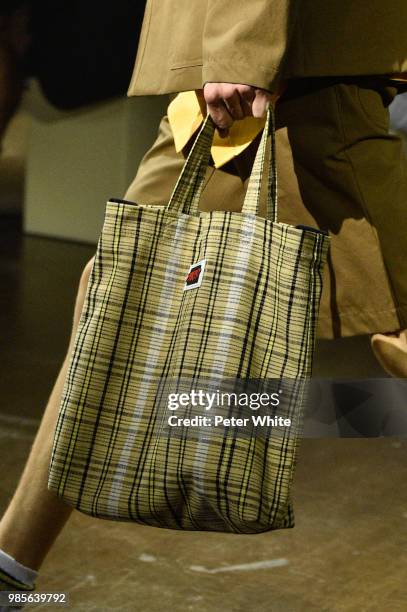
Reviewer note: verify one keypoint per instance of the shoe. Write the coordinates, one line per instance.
(391, 352)
(7, 583)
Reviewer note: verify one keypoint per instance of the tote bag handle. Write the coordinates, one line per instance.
(251, 202)
(188, 189)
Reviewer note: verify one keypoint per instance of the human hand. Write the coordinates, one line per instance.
(227, 102)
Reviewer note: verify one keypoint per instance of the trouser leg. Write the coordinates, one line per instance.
(350, 174)
(380, 169)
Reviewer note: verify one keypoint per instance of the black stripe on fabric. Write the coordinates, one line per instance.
(316, 298)
(116, 256)
(269, 235)
(183, 441)
(130, 361)
(307, 345)
(273, 335)
(189, 204)
(152, 420)
(69, 378)
(272, 338)
(244, 489)
(267, 242)
(136, 329)
(117, 230)
(207, 318)
(217, 276)
(314, 230)
(185, 437)
(305, 355)
(110, 366)
(284, 446)
(79, 343)
(75, 366)
(291, 302)
(143, 457)
(285, 456)
(119, 201)
(270, 440)
(252, 330)
(249, 329)
(227, 444)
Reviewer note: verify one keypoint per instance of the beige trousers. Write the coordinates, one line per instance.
(339, 169)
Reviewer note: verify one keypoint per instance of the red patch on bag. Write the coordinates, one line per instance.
(195, 274)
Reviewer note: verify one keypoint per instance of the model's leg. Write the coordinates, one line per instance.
(35, 516)
(346, 166)
(351, 175)
(381, 173)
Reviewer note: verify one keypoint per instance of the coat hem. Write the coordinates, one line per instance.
(354, 322)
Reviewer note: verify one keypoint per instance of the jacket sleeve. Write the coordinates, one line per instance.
(245, 41)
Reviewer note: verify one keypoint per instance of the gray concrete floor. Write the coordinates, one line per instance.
(348, 551)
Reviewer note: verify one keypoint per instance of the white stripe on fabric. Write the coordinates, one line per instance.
(236, 290)
(165, 301)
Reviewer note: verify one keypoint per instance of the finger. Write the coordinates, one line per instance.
(261, 103)
(216, 106)
(246, 108)
(232, 101)
(220, 115)
(247, 95)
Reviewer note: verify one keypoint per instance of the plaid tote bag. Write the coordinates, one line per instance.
(183, 301)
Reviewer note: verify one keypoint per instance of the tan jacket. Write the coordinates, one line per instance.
(185, 43)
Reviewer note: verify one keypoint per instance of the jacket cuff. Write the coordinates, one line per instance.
(215, 70)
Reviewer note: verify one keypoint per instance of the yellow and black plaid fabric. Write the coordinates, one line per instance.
(252, 316)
